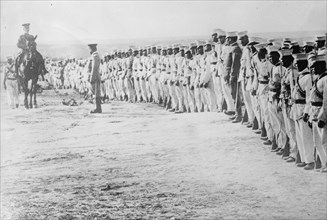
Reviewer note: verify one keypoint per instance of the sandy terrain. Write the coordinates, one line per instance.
(156, 165)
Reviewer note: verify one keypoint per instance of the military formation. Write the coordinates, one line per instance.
(275, 87)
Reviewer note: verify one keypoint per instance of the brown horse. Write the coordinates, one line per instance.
(29, 71)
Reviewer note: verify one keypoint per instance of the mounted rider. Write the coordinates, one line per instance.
(22, 44)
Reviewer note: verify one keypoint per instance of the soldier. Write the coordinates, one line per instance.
(94, 77)
(260, 88)
(177, 74)
(317, 64)
(136, 74)
(285, 102)
(301, 97)
(276, 72)
(218, 37)
(10, 83)
(188, 73)
(22, 44)
(308, 46)
(170, 71)
(232, 64)
(320, 45)
(245, 76)
(207, 77)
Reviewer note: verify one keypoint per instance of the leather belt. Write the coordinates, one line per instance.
(299, 101)
(214, 63)
(263, 82)
(11, 78)
(317, 104)
(273, 90)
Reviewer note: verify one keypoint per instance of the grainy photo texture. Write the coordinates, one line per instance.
(163, 110)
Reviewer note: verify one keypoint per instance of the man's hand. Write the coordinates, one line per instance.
(226, 78)
(4, 85)
(305, 117)
(321, 124)
(254, 92)
(309, 124)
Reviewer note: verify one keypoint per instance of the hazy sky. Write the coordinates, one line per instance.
(86, 21)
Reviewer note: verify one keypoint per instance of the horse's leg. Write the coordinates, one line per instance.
(34, 92)
(25, 83)
(31, 94)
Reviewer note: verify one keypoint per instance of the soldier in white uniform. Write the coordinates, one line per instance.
(285, 102)
(301, 106)
(217, 37)
(207, 77)
(246, 75)
(318, 64)
(276, 72)
(10, 83)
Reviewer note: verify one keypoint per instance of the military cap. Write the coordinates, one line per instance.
(272, 48)
(200, 43)
(313, 58)
(92, 45)
(320, 38)
(9, 58)
(158, 47)
(219, 32)
(242, 34)
(285, 52)
(299, 56)
(175, 46)
(308, 43)
(154, 47)
(26, 25)
(277, 44)
(164, 47)
(169, 47)
(286, 44)
(231, 34)
(287, 39)
(294, 44)
(261, 46)
(192, 44)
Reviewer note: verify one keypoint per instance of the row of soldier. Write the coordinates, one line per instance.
(280, 84)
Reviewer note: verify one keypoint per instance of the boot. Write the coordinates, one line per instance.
(224, 107)
(263, 131)
(255, 124)
(245, 117)
(298, 158)
(317, 162)
(274, 145)
(98, 106)
(286, 151)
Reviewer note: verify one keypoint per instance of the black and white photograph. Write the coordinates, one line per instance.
(173, 110)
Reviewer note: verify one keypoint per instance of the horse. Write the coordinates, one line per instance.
(29, 71)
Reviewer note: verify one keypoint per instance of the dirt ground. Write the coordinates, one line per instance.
(138, 161)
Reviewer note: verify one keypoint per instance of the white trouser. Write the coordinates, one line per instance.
(227, 93)
(12, 93)
(276, 120)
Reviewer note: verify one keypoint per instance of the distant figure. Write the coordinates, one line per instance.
(10, 84)
(22, 44)
(95, 78)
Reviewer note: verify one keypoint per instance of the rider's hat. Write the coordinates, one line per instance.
(9, 58)
(26, 25)
(92, 45)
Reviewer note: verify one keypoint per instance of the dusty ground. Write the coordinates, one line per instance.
(56, 159)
